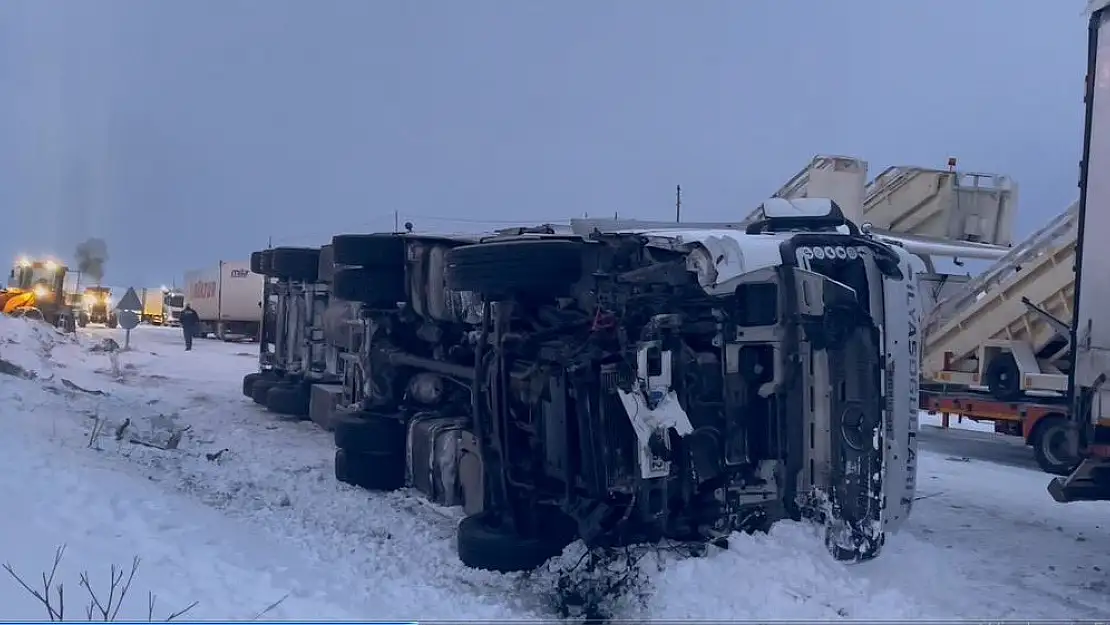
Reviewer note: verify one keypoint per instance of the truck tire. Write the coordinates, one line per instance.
(82, 320)
(1003, 378)
(261, 389)
(372, 471)
(326, 267)
(482, 544)
(366, 432)
(256, 263)
(505, 267)
(112, 322)
(1049, 446)
(288, 399)
(377, 287)
(266, 263)
(369, 250)
(248, 383)
(300, 264)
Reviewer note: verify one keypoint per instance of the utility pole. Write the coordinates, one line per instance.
(396, 221)
(269, 241)
(678, 203)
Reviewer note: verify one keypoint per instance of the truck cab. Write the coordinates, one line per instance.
(173, 302)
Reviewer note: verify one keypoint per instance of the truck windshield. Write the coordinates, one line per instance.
(28, 277)
(175, 300)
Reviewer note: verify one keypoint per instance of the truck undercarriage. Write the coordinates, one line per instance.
(293, 352)
(623, 388)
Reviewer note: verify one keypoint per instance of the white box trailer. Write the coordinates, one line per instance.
(228, 299)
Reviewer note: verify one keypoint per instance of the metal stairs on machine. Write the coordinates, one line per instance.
(1025, 296)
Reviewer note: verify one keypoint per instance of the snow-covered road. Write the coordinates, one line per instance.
(245, 511)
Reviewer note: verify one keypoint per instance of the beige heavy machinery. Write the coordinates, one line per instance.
(1008, 331)
(931, 212)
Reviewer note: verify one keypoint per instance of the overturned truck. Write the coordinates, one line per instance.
(624, 385)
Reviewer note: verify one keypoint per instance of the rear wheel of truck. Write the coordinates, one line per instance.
(82, 320)
(112, 322)
(296, 263)
(288, 399)
(505, 267)
(248, 383)
(483, 543)
(1051, 447)
(372, 471)
(377, 287)
(266, 262)
(256, 263)
(369, 250)
(261, 388)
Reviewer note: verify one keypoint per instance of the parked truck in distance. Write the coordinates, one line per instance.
(173, 302)
(97, 306)
(228, 299)
(161, 305)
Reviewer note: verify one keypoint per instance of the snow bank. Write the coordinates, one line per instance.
(246, 507)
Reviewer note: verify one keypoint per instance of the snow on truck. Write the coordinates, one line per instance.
(228, 299)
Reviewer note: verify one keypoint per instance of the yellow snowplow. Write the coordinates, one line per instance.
(35, 290)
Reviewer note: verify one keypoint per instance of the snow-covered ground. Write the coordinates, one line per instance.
(245, 512)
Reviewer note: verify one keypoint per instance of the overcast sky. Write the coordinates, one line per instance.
(188, 131)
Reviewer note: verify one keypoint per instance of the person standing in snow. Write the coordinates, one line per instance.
(189, 322)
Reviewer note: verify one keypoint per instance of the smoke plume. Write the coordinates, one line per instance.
(91, 256)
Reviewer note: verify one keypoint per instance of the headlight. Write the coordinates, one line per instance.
(41, 291)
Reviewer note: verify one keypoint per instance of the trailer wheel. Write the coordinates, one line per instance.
(256, 263)
(288, 399)
(503, 267)
(261, 388)
(377, 287)
(1003, 378)
(1050, 446)
(266, 262)
(248, 383)
(369, 250)
(296, 263)
(482, 543)
(372, 471)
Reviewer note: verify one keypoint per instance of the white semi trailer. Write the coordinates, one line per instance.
(1087, 387)
(228, 299)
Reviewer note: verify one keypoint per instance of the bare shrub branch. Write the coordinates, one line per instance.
(55, 612)
(101, 607)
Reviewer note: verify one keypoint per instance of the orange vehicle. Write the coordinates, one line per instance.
(1041, 421)
(35, 289)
